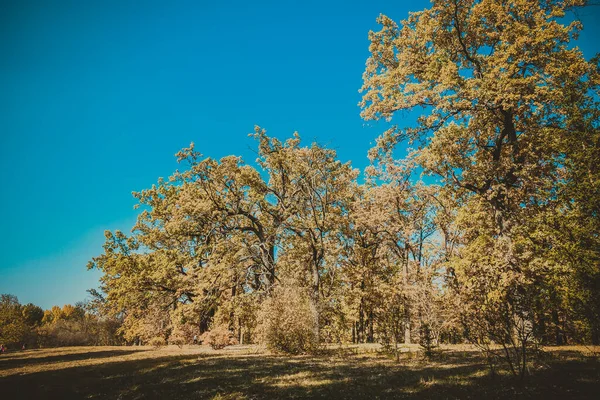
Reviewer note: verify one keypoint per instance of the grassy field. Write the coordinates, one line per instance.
(248, 372)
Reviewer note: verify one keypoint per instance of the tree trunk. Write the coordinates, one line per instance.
(407, 326)
(361, 324)
(371, 333)
(595, 335)
(406, 306)
(314, 309)
(231, 324)
(557, 334)
(314, 301)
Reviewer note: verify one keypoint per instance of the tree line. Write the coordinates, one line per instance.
(29, 326)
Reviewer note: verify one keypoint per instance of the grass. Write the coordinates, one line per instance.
(249, 372)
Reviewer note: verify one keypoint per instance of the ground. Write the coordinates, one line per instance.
(250, 372)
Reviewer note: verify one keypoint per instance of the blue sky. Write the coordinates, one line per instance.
(97, 96)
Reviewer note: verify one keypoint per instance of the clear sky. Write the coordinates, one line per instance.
(97, 96)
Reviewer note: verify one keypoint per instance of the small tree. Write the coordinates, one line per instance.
(286, 321)
(392, 319)
(427, 340)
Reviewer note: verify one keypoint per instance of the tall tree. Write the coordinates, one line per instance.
(324, 187)
(495, 81)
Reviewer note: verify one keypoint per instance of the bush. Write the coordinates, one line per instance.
(219, 337)
(183, 334)
(157, 342)
(286, 322)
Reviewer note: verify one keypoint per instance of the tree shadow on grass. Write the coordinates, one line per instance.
(266, 376)
(27, 359)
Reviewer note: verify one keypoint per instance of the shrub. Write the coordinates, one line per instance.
(219, 337)
(157, 341)
(286, 322)
(183, 334)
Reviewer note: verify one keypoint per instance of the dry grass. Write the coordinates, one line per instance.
(248, 372)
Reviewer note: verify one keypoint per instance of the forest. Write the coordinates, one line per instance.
(476, 223)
